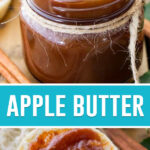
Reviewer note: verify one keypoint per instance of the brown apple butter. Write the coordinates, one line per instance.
(83, 11)
(73, 139)
(80, 41)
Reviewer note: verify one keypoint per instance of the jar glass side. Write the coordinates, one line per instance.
(100, 57)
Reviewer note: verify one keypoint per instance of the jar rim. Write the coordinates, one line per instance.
(29, 15)
(72, 21)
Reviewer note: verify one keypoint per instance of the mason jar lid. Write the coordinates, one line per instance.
(80, 11)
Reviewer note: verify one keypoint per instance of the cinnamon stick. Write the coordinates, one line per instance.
(147, 27)
(10, 71)
(4, 72)
(123, 141)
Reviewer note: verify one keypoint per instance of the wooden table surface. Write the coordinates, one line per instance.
(11, 43)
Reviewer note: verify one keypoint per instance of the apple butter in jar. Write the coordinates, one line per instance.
(83, 41)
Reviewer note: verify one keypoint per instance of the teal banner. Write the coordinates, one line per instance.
(75, 105)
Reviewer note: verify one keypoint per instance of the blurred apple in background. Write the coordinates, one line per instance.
(4, 5)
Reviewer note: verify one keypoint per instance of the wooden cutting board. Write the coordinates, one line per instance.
(122, 140)
(11, 41)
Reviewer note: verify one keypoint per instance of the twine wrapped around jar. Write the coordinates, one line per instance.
(132, 16)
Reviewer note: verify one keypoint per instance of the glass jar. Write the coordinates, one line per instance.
(82, 41)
